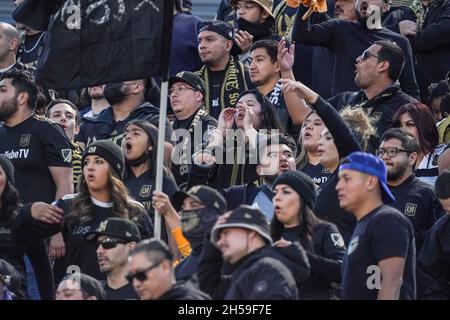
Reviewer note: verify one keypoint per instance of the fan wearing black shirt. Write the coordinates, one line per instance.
(414, 198)
(139, 146)
(225, 76)
(434, 257)
(40, 153)
(380, 260)
(187, 92)
(114, 239)
(270, 62)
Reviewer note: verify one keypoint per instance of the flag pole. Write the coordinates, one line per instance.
(160, 155)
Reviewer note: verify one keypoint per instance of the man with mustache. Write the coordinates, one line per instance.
(415, 199)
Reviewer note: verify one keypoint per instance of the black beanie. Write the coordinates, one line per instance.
(8, 167)
(301, 183)
(109, 151)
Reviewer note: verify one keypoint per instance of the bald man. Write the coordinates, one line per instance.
(9, 43)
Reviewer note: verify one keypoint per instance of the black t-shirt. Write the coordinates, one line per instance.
(141, 189)
(434, 257)
(317, 172)
(126, 292)
(204, 124)
(32, 146)
(418, 202)
(383, 233)
(277, 98)
(217, 78)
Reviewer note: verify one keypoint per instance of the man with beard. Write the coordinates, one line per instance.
(98, 102)
(115, 238)
(127, 102)
(275, 156)
(225, 76)
(41, 154)
(347, 39)
(415, 198)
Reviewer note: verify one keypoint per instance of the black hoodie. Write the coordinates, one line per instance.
(105, 127)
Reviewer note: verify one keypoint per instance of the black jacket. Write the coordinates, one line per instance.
(184, 291)
(417, 201)
(260, 275)
(105, 127)
(325, 252)
(348, 40)
(381, 108)
(431, 44)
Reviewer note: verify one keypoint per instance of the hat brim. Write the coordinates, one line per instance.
(266, 8)
(218, 228)
(174, 79)
(93, 235)
(178, 198)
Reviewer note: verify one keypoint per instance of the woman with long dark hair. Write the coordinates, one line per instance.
(253, 118)
(101, 195)
(295, 221)
(417, 119)
(308, 160)
(10, 250)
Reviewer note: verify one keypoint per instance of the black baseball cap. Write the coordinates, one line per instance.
(205, 195)
(190, 78)
(116, 228)
(245, 217)
(220, 27)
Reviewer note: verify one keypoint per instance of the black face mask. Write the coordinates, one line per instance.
(257, 30)
(113, 93)
(139, 160)
(196, 223)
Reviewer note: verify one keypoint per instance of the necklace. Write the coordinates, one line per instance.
(34, 47)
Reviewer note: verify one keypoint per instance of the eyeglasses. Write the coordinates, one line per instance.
(110, 243)
(141, 275)
(244, 6)
(391, 152)
(366, 55)
(179, 90)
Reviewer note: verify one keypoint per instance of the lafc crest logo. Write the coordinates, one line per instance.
(353, 245)
(376, 116)
(337, 240)
(102, 226)
(25, 140)
(67, 155)
(410, 209)
(145, 191)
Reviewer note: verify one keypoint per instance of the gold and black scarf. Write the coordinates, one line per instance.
(233, 84)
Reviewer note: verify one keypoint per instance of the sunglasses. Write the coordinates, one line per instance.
(141, 275)
(367, 54)
(109, 243)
